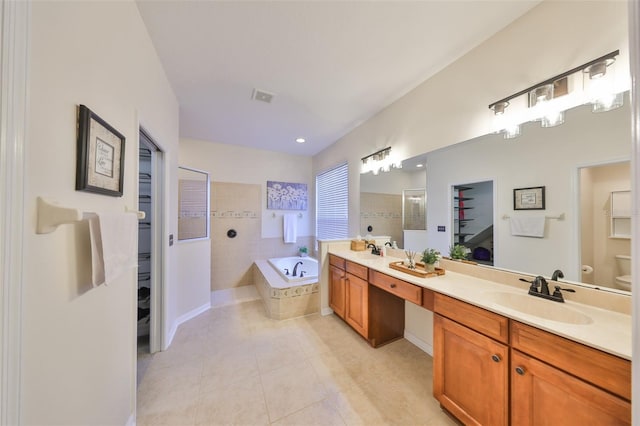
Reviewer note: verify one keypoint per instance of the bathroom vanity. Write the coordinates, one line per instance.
(500, 356)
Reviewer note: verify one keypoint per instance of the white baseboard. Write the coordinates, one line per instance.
(184, 318)
(426, 347)
(326, 311)
(132, 420)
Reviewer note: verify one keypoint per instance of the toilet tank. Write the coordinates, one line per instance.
(624, 264)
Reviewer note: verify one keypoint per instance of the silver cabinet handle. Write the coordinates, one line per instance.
(520, 371)
(496, 357)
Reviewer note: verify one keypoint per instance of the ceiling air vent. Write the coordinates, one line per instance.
(261, 95)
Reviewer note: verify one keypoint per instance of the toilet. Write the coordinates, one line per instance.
(623, 281)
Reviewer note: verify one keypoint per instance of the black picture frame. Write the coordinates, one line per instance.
(532, 198)
(100, 155)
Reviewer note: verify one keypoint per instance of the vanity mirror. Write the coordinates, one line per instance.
(556, 158)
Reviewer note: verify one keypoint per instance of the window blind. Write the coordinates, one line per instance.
(332, 203)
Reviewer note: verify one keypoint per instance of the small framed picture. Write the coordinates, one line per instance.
(100, 155)
(528, 198)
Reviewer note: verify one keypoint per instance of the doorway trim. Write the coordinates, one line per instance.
(158, 321)
(15, 20)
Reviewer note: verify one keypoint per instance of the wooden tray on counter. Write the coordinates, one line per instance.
(420, 270)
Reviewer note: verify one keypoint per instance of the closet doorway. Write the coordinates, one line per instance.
(150, 248)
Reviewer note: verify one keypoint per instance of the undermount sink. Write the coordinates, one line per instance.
(541, 308)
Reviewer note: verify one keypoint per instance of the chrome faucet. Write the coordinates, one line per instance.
(295, 269)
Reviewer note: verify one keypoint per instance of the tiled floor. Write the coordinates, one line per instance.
(233, 365)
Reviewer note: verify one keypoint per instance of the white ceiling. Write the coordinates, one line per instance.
(330, 64)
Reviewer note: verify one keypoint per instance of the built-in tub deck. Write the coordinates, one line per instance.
(282, 299)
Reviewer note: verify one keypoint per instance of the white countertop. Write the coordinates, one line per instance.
(608, 331)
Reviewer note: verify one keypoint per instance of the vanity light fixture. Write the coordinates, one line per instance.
(499, 107)
(543, 105)
(600, 87)
(379, 161)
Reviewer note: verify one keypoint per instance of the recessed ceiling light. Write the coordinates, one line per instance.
(301, 140)
(419, 165)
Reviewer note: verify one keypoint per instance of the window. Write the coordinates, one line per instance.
(193, 204)
(332, 203)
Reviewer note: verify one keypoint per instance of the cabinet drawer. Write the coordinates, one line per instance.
(478, 319)
(592, 365)
(403, 289)
(427, 299)
(336, 261)
(357, 270)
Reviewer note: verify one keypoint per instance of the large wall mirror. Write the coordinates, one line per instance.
(193, 204)
(581, 163)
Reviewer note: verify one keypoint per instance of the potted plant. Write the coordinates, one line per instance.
(429, 258)
(302, 251)
(458, 252)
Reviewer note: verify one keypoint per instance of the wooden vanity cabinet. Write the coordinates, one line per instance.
(542, 394)
(337, 285)
(357, 309)
(564, 382)
(490, 370)
(470, 368)
(337, 291)
(376, 314)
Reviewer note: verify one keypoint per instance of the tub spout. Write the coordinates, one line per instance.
(295, 269)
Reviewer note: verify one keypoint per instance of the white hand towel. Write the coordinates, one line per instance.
(114, 239)
(528, 226)
(290, 227)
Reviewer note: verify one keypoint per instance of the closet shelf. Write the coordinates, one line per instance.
(52, 215)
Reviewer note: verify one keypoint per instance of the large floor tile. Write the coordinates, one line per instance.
(322, 413)
(291, 388)
(239, 403)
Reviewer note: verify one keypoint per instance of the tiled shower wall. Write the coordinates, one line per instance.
(238, 206)
(384, 213)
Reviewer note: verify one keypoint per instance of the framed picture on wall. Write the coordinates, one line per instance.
(100, 155)
(529, 198)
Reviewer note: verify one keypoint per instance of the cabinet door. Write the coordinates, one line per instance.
(337, 291)
(357, 312)
(542, 394)
(470, 377)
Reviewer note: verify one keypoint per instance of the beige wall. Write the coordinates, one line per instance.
(79, 342)
(238, 201)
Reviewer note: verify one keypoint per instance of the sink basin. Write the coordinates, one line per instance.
(541, 308)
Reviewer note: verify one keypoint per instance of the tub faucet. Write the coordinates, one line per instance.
(302, 273)
(557, 274)
(286, 271)
(295, 269)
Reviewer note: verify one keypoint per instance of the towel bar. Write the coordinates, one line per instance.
(557, 217)
(273, 215)
(51, 215)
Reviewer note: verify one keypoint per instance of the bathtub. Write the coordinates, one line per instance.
(285, 296)
(286, 265)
